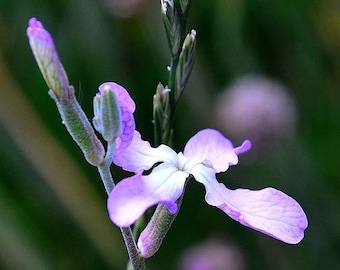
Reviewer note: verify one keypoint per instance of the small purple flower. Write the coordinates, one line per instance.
(269, 211)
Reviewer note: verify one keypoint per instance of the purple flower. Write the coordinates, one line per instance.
(269, 211)
(46, 55)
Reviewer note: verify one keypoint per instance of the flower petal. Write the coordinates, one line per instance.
(141, 156)
(269, 211)
(132, 196)
(128, 127)
(122, 94)
(127, 107)
(211, 146)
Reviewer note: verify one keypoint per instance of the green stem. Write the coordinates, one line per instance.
(172, 80)
(137, 262)
(79, 127)
(104, 168)
(166, 135)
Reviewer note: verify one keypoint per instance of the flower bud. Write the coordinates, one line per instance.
(185, 63)
(47, 58)
(107, 114)
(151, 238)
(161, 114)
(172, 23)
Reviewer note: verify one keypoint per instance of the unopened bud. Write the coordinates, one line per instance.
(153, 235)
(107, 113)
(151, 238)
(47, 58)
(185, 63)
(172, 23)
(166, 4)
(162, 114)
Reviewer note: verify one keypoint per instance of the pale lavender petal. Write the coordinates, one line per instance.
(139, 155)
(211, 147)
(122, 94)
(269, 211)
(128, 128)
(134, 195)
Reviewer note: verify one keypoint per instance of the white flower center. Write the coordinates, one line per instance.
(185, 164)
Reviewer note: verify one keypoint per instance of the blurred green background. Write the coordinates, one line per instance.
(52, 203)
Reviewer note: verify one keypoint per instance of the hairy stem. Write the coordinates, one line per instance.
(137, 262)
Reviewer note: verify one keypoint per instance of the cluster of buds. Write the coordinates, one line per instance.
(185, 64)
(182, 50)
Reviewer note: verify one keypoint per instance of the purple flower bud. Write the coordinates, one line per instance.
(46, 55)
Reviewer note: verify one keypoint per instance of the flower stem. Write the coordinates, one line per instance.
(137, 262)
(171, 81)
(79, 127)
(175, 15)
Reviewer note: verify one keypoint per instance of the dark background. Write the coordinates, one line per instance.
(52, 203)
